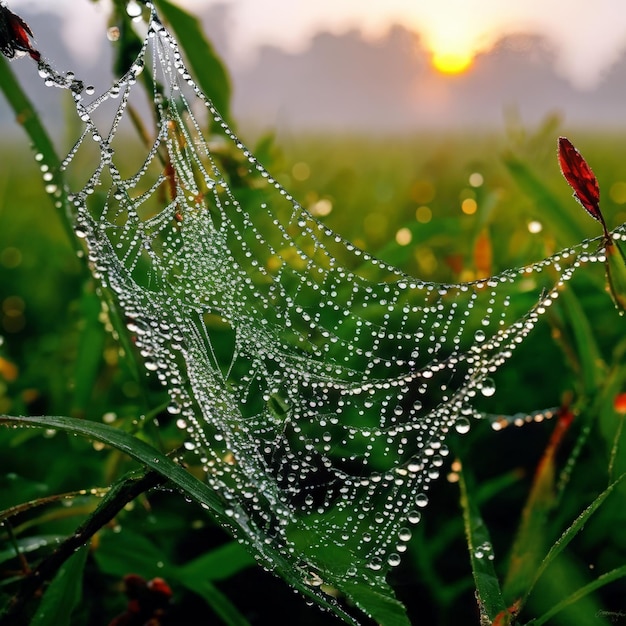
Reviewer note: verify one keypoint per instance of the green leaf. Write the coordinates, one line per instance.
(586, 350)
(122, 552)
(16, 489)
(488, 590)
(218, 564)
(31, 544)
(616, 274)
(376, 600)
(125, 552)
(207, 67)
(602, 580)
(64, 592)
(564, 540)
(371, 593)
(188, 484)
(89, 354)
(530, 539)
(27, 116)
(224, 608)
(133, 447)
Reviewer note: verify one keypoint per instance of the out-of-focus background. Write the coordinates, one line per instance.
(379, 67)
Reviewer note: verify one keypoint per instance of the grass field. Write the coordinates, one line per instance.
(404, 200)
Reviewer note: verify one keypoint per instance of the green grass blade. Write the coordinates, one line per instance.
(26, 116)
(64, 593)
(602, 580)
(29, 545)
(122, 552)
(126, 551)
(198, 576)
(89, 352)
(207, 67)
(129, 43)
(378, 602)
(553, 212)
(218, 564)
(488, 590)
(571, 532)
(370, 592)
(191, 486)
(132, 446)
(615, 266)
(530, 540)
(587, 353)
(222, 606)
(615, 445)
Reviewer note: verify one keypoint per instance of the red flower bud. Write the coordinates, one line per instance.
(15, 35)
(619, 403)
(581, 179)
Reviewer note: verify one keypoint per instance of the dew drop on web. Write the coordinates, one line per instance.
(488, 387)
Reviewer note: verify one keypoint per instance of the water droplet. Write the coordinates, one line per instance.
(485, 549)
(414, 517)
(133, 9)
(488, 387)
(462, 425)
(113, 33)
(421, 500)
(137, 68)
(375, 564)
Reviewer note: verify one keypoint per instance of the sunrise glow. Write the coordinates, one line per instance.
(451, 62)
(453, 43)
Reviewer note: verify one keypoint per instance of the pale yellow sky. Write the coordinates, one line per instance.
(588, 36)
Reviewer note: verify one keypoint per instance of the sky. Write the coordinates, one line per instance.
(588, 36)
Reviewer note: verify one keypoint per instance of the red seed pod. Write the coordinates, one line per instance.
(160, 586)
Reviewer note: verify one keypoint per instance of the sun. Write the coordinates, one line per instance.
(452, 62)
(452, 45)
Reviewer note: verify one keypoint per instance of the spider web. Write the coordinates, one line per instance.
(316, 384)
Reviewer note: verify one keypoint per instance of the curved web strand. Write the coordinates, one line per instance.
(316, 383)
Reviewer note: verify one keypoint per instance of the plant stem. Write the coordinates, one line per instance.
(120, 494)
